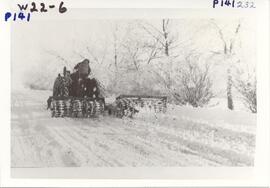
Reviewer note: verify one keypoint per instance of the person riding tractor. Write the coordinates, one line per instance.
(76, 84)
(76, 95)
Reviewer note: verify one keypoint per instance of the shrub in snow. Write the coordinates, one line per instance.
(195, 85)
(247, 87)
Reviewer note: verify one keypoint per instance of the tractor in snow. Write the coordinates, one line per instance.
(78, 96)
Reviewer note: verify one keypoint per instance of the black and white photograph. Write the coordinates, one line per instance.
(163, 92)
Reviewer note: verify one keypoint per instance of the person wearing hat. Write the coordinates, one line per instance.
(81, 73)
(83, 69)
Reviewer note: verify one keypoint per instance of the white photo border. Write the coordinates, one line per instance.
(199, 176)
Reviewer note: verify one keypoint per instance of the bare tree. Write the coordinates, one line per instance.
(127, 55)
(165, 23)
(115, 45)
(134, 53)
(228, 52)
(163, 38)
(153, 50)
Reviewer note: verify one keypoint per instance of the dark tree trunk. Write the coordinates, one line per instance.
(166, 49)
(115, 62)
(165, 34)
(229, 90)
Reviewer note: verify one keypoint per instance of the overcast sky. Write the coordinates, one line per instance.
(30, 43)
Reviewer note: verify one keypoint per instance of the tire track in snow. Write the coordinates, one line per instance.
(91, 154)
(225, 157)
(165, 156)
(71, 156)
(116, 150)
(189, 135)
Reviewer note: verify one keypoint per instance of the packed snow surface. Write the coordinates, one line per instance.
(184, 136)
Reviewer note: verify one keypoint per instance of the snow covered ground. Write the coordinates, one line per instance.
(184, 136)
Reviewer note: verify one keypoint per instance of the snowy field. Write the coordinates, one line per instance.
(184, 136)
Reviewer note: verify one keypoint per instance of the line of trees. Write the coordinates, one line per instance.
(145, 58)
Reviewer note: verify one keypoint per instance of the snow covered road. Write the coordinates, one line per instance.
(176, 138)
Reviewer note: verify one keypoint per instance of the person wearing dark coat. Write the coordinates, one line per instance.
(83, 69)
(76, 86)
(82, 86)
